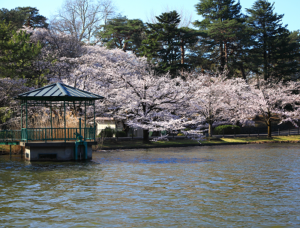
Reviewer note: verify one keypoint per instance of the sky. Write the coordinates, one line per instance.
(143, 9)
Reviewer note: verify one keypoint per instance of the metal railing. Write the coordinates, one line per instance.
(10, 135)
(47, 134)
(51, 134)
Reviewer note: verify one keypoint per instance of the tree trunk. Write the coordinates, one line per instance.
(243, 71)
(222, 56)
(265, 61)
(269, 129)
(225, 54)
(182, 52)
(210, 129)
(145, 136)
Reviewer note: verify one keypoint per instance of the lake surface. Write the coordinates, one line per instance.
(232, 186)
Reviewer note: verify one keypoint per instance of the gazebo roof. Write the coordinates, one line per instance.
(58, 92)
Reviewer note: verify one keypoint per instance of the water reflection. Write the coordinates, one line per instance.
(239, 186)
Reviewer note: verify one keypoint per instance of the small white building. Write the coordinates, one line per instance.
(104, 122)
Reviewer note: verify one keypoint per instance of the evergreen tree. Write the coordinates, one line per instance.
(272, 53)
(222, 28)
(165, 45)
(122, 33)
(16, 53)
(20, 16)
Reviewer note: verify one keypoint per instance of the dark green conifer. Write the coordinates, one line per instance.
(272, 51)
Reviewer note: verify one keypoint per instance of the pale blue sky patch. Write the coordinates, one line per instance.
(143, 9)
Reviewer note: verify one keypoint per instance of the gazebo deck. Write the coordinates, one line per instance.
(49, 142)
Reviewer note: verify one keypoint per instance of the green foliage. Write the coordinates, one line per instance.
(107, 132)
(5, 113)
(121, 134)
(227, 129)
(166, 43)
(16, 52)
(122, 33)
(222, 27)
(273, 51)
(20, 16)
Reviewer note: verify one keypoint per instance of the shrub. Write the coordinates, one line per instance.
(228, 130)
(107, 132)
(121, 134)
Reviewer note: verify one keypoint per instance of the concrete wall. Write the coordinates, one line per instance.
(55, 152)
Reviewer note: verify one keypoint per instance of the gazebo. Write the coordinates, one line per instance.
(57, 143)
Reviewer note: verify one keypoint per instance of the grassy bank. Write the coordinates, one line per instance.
(139, 144)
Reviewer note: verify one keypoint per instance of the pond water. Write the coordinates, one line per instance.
(232, 186)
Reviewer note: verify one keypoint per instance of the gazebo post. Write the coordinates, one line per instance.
(26, 122)
(84, 120)
(51, 120)
(65, 120)
(94, 122)
(21, 116)
(26, 115)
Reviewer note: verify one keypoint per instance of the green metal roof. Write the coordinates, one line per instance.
(58, 92)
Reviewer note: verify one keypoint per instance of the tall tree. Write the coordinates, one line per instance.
(272, 51)
(16, 52)
(122, 33)
(23, 16)
(217, 100)
(165, 43)
(222, 27)
(81, 18)
(276, 101)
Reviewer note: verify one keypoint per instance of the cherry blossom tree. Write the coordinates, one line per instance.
(51, 63)
(10, 88)
(218, 100)
(279, 100)
(132, 91)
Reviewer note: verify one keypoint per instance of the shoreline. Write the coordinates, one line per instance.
(189, 144)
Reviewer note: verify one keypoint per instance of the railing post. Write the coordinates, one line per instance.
(65, 121)
(85, 120)
(94, 122)
(80, 126)
(51, 121)
(22, 115)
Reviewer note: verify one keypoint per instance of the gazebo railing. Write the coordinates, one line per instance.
(10, 135)
(54, 134)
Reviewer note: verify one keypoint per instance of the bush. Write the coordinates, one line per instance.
(121, 134)
(228, 130)
(107, 132)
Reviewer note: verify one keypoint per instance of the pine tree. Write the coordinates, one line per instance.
(16, 53)
(20, 16)
(272, 50)
(122, 33)
(166, 43)
(222, 28)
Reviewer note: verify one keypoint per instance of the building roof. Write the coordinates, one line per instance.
(58, 92)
